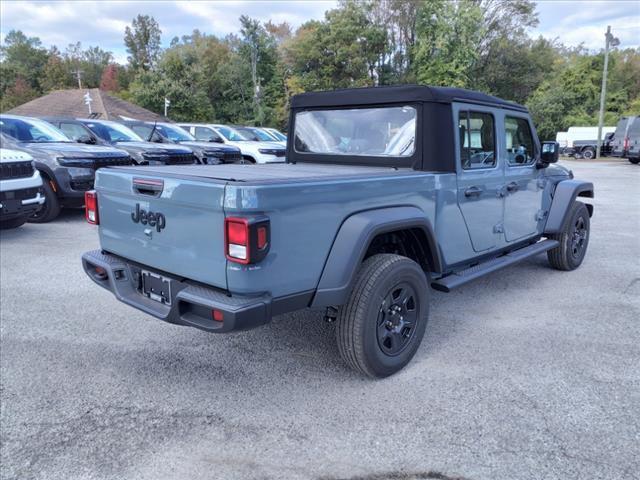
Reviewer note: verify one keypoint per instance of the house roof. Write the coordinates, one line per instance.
(70, 103)
(397, 94)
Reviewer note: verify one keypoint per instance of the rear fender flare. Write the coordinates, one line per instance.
(565, 194)
(351, 244)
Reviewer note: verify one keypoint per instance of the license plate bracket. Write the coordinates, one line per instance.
(156, 287)
(11, 205)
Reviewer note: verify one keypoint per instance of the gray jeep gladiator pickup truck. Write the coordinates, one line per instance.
(386, 192)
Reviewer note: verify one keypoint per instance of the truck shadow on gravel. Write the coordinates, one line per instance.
(303, 344)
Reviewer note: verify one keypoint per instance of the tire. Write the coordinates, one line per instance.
(246, 160)
(51, 207)
(635, 161)
(376, 335)
(589, 153)
(574, 240)
(13, 223)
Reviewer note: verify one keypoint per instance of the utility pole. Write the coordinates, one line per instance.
(610, 41)
(78, 73)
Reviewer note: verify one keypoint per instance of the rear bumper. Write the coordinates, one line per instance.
(191, 304)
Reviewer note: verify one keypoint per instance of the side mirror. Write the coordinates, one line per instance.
(85, 139)
(550, 154)
(216, 140)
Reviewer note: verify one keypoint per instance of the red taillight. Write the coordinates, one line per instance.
(91, 207)
(236, 242)
(626, 143)
(246, 240)
(217, 315)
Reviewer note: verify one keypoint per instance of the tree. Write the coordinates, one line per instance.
(109, 79)
(344, 50)
(56, 74)
(17, 94)
(22, 57)
(142, 40)
(447, 35)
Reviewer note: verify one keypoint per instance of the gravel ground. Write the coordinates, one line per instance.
(529, 373)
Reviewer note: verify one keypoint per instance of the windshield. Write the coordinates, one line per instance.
(113, 132)
(262, 135)
(231, 134)
(256, 134)
(277, 134)
(380, 131)
(31, 130)
(176, 134)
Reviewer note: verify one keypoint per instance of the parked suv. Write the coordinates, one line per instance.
(386, 192)
(626, 139)
(106, 132)
(20, 185)
(207, 152)
(67, 168)
(252, 151)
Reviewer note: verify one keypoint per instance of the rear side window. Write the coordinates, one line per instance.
(634, 128)
(477, 140)
(519, 139)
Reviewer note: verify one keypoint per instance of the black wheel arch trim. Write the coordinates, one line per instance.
(565, 194)
(353, 240)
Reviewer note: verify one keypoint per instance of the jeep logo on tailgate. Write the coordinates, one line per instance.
(153, 219)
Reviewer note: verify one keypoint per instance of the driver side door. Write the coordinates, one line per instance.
(524, 188)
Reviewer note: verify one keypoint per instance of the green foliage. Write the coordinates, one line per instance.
(22, 57)
(447, 35)
(570, 96)
(142, 40)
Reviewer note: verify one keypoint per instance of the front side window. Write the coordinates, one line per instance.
(263, 136)
(520, 146)
(113, 132)
(232, 134)
(376, 132)
(477, 140)
(205, 134)
(73, 130)
(175, 134)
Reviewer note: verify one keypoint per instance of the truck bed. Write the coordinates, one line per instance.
(266, 173)
(305, 204)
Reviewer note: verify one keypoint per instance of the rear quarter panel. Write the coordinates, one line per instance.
(305, 218)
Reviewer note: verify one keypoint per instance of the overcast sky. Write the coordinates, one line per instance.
(103, 23)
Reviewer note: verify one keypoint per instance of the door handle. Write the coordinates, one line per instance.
(512, 187)
(473, 191)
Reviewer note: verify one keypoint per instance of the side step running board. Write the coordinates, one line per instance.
(448, 283)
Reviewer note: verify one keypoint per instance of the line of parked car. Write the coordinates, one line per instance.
(621, 141)
(49, 163)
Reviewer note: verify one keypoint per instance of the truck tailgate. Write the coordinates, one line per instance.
(178, 229)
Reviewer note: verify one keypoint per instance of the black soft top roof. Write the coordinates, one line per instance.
(397, 94)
